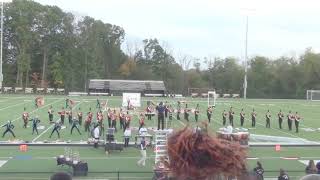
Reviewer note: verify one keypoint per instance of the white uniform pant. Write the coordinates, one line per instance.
(142, 161)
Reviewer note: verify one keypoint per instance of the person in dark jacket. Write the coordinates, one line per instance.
(283, 175)
(259, 171)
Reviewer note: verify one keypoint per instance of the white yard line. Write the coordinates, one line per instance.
(43, 132)
(2, 163)
(12, 106)
(183, 124)
(32, 111)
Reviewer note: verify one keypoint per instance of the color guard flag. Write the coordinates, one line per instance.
(72, 102)
(104, 104)
(40, 101)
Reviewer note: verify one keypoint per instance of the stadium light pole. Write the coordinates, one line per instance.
(246, 11)
(1, 44)
(245, 83)
(1, 74)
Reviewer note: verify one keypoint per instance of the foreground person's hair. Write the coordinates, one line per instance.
(195, 155)
(61, 176)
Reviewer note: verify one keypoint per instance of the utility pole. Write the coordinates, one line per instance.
(1, 46)
(245, 83)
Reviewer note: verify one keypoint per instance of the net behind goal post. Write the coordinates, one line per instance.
(212, 98)
(313, 95)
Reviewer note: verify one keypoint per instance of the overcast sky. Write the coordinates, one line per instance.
(211, 27)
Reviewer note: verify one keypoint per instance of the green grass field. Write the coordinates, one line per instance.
(39, 161)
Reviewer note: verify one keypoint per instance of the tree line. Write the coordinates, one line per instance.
(47, 47)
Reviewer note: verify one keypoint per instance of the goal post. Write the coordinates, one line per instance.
(313, 95)
(212, 98)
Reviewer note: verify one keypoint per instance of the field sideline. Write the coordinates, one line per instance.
(11, 108)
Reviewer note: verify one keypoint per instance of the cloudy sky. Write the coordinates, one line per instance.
(211, 27)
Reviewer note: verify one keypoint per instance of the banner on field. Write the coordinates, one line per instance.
(72, 102)
(131, 99)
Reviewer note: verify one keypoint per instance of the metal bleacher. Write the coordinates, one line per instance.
(117, 87)
(127, 86)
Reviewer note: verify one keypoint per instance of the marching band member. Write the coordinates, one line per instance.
(109, 117)
(9, 127)
(149, 111)
(196, 112)
(166, 109)
(50, 113)
(127, 121)
(141, 121)
(67, 103)
(98, 104)
(178, 110)
(170, 112)
(122, 119)
(35, 122)
(88, 121)
(25, 117)
(57, 128)
(96, 135)
(160, 108)
(209, 113)
(62, 114)
(100, 121)
(75, 123)
(80, 116)
(100, 117)
(128, 104)
(114, 120)
(280, 118)
(231, 114)
(224, 117)
(36, 103)
(186, 113)
(242, 114)
(268, 117)
(127, 135)
(69, 113)
(253, 118)
(143, 150)
(296, 121)
(290, 119)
